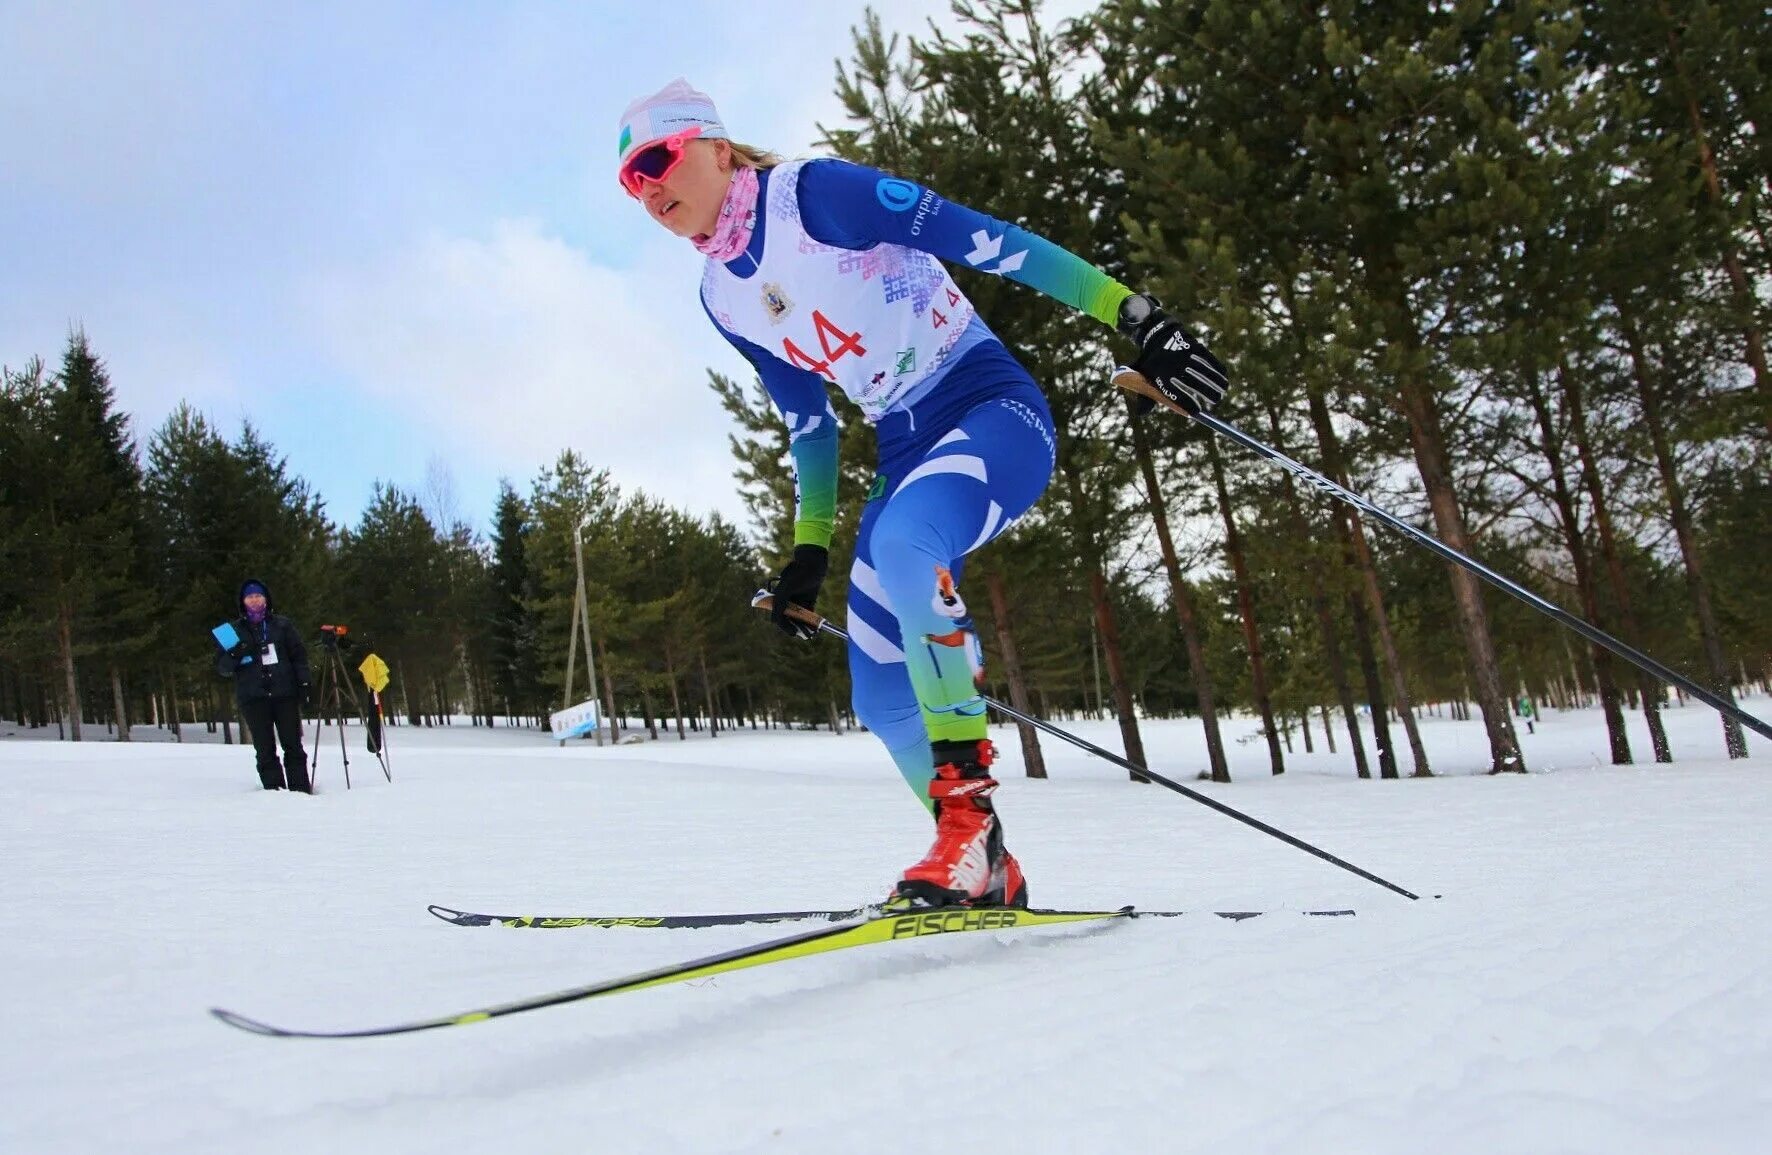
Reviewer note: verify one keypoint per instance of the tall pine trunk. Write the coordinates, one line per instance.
(1319, 599)
(1359, 556)
(1181, 596)
(1031, 757)
(1429, 444)
(1368, 658)
(1649, 690)
(1110, 644)
(1616, 734)
(707, 690)
(1233, 548)
(118, 704)
(65, 635)
(1106, 628)
(175, 712)
(609, 691)
(1681, 516)
(676, 699)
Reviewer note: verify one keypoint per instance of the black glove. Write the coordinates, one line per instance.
(798, 585)
(228, 661)
(1170, 358)
(304, 695)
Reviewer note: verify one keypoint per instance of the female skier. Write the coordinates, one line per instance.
(823, 271)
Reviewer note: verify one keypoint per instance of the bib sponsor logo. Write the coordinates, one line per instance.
(928, 207)
(1035, 422)
(897, 195)
(776, 303)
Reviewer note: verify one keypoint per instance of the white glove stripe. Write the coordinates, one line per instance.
(1214, 387)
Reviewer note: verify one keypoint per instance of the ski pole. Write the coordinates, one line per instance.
(764, 600)
(1134, 382)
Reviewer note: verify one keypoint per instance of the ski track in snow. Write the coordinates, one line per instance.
(1596, 978)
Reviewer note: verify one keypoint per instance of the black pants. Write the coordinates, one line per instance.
(271, 719)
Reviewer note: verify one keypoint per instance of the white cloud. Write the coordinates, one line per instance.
(159, 348)
(286, 216)
(511, 347)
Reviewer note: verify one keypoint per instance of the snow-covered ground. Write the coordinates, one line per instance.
(1596, 978)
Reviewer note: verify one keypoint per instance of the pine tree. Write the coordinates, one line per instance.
(394, 581)
(76, 519)
(567, 495)
(1302, 131)
(514, 656)
(26, 451)
(1698, 73)
(217, 513)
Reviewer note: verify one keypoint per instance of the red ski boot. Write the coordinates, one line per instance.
(968, 865)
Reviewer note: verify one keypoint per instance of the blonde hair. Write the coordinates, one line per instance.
(750, 156)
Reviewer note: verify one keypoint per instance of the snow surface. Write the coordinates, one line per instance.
(1595, 979)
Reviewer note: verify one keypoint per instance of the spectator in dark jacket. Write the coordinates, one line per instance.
(269, 666)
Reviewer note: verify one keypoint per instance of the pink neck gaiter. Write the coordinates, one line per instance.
(738, 217)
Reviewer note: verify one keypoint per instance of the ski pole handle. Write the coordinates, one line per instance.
(765, 601)
(1133, 381)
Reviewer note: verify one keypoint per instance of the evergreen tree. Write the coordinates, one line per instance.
(394, 583)
(26, 644)
(218, 513)
(566, 496)
(1301, 130)
(515, 660)
(74, 519)
(1697, 74)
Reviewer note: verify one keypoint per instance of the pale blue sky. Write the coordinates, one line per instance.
(390, 234)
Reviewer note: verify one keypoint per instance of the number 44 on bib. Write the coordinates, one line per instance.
(834, 341)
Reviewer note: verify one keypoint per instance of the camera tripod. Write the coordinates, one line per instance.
(333, 686)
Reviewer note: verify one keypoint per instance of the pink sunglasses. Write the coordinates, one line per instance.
(656, 161)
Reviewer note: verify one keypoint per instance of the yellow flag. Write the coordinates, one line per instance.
(375, 673)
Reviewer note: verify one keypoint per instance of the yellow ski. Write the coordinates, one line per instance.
(887, 928)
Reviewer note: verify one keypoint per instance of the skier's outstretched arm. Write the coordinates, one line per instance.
(855, 207)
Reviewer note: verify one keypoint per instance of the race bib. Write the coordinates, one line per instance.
(876, 322)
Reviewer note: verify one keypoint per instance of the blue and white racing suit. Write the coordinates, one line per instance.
(842, 283)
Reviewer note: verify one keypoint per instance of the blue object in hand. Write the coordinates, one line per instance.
(228, 638)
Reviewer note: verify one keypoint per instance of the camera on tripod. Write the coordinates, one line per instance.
(336, 701)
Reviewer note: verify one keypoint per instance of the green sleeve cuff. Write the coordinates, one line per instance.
(814, 449)
(813, 531)
(1105, 305)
